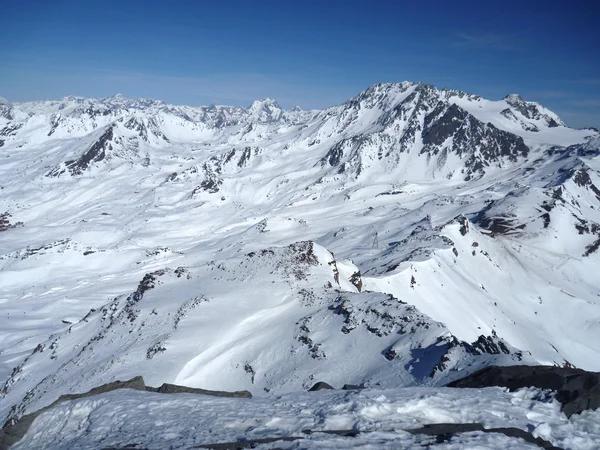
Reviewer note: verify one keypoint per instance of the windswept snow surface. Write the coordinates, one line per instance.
(159, 421)
(407, 237)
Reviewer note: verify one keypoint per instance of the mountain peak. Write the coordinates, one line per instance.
(513, 99)
(267, 101)
(73, 98)
(383, 95)
(119, 98)
(265, 110)
(533, 111)
(6, 109)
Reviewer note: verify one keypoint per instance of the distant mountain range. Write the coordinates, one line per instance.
(407, 237)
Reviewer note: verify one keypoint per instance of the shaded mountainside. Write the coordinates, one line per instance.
(409, 236)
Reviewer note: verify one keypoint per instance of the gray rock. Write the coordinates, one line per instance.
(151, 389)
(136, 383)
(576, 389)
(320, 386)
(96, 153)
(342, 433)
(352, 387)
(447, 428)
(175, 389)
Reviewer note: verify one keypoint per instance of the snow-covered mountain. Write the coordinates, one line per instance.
(407, 237)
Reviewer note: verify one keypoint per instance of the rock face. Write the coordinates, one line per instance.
(532, 111)
(320, 386)
(96, 153)
(427, 120)
(451, 123)
(576, 389)
(136, 383)
(167, 388)
(352, 387)
(5, 223)
(6, 109)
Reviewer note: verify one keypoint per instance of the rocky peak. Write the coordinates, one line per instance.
(425, 88)
(514, 99)
(381, 94)
(482, 144)
(266, 110)
(532, 111)
(73, 99)
(6, 109)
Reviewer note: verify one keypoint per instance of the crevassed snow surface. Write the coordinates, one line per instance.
(407, 237)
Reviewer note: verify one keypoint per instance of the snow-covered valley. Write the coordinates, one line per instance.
(405, 238)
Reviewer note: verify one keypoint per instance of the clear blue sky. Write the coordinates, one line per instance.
(310, 53)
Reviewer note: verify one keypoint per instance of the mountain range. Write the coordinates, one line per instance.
(407, 237)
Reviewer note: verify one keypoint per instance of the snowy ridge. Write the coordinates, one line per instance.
(309, 288)
(406, 237)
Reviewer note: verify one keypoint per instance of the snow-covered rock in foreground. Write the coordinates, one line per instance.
(406, 237)
(158, 421)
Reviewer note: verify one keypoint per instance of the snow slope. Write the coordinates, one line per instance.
(406, 237)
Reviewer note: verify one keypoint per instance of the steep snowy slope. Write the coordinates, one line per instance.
(408, 236)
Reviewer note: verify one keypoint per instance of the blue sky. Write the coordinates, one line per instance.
(308, 53)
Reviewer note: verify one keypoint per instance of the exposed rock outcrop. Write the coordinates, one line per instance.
(167, 388)
(576, 389)
(320, 386)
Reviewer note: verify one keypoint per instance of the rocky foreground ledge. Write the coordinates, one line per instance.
(539, 407)
(576, 389)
